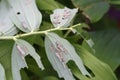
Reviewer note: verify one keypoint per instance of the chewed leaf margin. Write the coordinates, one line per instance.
(20, 50)
(59, 52)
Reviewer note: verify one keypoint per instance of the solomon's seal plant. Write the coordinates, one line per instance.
(27, 46)
(59, 52)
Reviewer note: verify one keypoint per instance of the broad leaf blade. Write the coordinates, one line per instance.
(6, 25)
(25, 15)
(48, 4)
(20, 50)
(63, 17)
(115, 2)
(5, 57)
(17, 63)
(93, 9)
(59, 52)
(30, 51)
(62, 70)
(107, 46)
(100, 70)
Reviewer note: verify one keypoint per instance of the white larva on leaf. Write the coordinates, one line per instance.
(62, 17)
(21, 51)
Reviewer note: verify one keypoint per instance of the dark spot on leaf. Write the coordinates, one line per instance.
(18, 13)
(63, 18)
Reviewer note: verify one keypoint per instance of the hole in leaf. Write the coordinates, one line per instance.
(74, 68)
(59, 22)
(117, 72)
(18, 13)
(80, 41)
(63, 18)
(91, 73)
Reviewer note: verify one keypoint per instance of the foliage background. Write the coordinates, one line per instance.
(103, 18)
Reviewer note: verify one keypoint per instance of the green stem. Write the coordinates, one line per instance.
(67, 33)
(35, 33)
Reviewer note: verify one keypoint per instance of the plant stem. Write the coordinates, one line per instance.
(67, 33)
(37, 32)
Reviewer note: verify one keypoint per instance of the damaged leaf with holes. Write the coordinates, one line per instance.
(6, 25)
(25, 14)
(63, 17)
(20, 50)
(59, 52)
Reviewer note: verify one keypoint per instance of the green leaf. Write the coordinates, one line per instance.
(107, 46)
(20, 50)
(5, 57)
(48, 4)
(50, 78)
(24, 75)
(59, 52)
(116, 2)
(80, 29)
(2, 73)
(46, 25)
(100, 70)
(93, 9)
